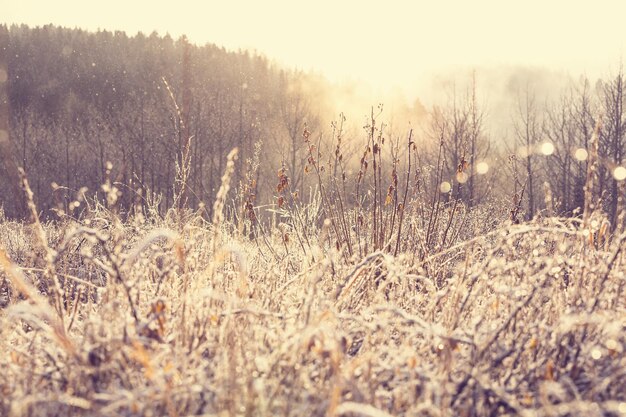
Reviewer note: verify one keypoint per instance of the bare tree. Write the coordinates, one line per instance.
(296, 112)
(559, 129)
(584, 114)
(612, 140)
(478, 143)
(527, 128)
(459, 127)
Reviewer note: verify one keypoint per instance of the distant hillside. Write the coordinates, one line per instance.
(80, 99)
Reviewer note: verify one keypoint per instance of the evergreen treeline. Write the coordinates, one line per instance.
(80, 99)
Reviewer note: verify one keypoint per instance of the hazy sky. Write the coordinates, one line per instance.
(387, 43)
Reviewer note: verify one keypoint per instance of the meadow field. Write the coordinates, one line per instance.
(419, 309)
(331, 209)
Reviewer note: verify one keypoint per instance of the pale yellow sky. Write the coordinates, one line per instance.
(387, 43)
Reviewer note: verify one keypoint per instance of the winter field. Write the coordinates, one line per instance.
(414, 308)
(324, 209)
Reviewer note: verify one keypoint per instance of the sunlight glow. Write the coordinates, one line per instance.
(337, 38)
(596, 354)
(619, 173)
(581, 154)
(482, 168)
(547, 148)
(462, 177)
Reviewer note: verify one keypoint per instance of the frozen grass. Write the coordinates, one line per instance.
(394, 305)
(170, 318)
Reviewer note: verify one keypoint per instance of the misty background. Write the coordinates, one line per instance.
(111, 93)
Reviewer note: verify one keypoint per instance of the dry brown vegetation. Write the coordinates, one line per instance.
(391, 302)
